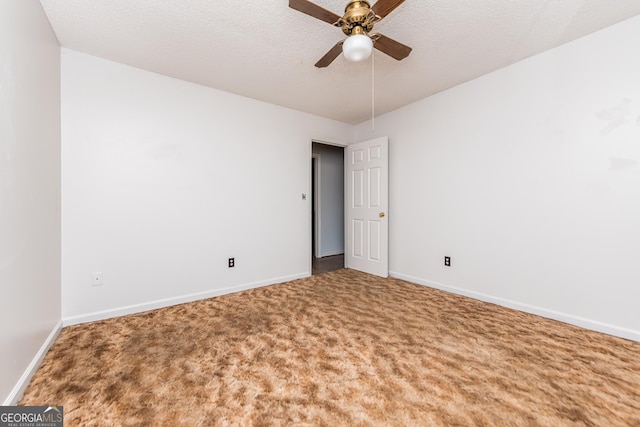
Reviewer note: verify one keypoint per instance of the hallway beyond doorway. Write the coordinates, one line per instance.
(327, 264)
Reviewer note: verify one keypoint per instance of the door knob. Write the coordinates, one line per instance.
(381, 214)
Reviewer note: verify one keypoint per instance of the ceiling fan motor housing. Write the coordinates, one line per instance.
(357, 23)
(358, 18)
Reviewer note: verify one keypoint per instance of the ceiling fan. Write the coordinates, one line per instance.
(357, 22)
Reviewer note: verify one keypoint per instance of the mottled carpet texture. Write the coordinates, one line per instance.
(342, 348)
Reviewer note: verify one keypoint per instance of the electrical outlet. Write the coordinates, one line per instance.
(232, 262)
(96, 279)
(447, 261)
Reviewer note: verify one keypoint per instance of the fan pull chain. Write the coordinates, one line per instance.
(373, 92)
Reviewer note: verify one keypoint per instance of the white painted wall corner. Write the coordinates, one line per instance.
(25, 379)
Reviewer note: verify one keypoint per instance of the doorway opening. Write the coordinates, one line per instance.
(327, 211)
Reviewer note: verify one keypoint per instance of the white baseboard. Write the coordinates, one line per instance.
(593, 325)
(152, 305)
(28, 374)
(25, 379)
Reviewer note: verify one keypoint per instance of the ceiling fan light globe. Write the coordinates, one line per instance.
(357, 48)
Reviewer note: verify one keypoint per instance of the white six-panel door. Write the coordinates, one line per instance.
(366, 222)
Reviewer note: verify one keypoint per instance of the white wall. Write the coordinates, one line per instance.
(29, 192)
(331, 212)
(529, 178)
(164, 180)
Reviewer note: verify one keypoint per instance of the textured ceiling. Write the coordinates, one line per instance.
(267, 51)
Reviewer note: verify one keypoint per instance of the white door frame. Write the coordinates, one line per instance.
(317, 200)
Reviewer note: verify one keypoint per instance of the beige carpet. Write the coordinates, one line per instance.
(342, 348)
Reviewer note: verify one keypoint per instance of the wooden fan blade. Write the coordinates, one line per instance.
(331, 55)
(312, 9)
(384, 7)
(391, 47)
